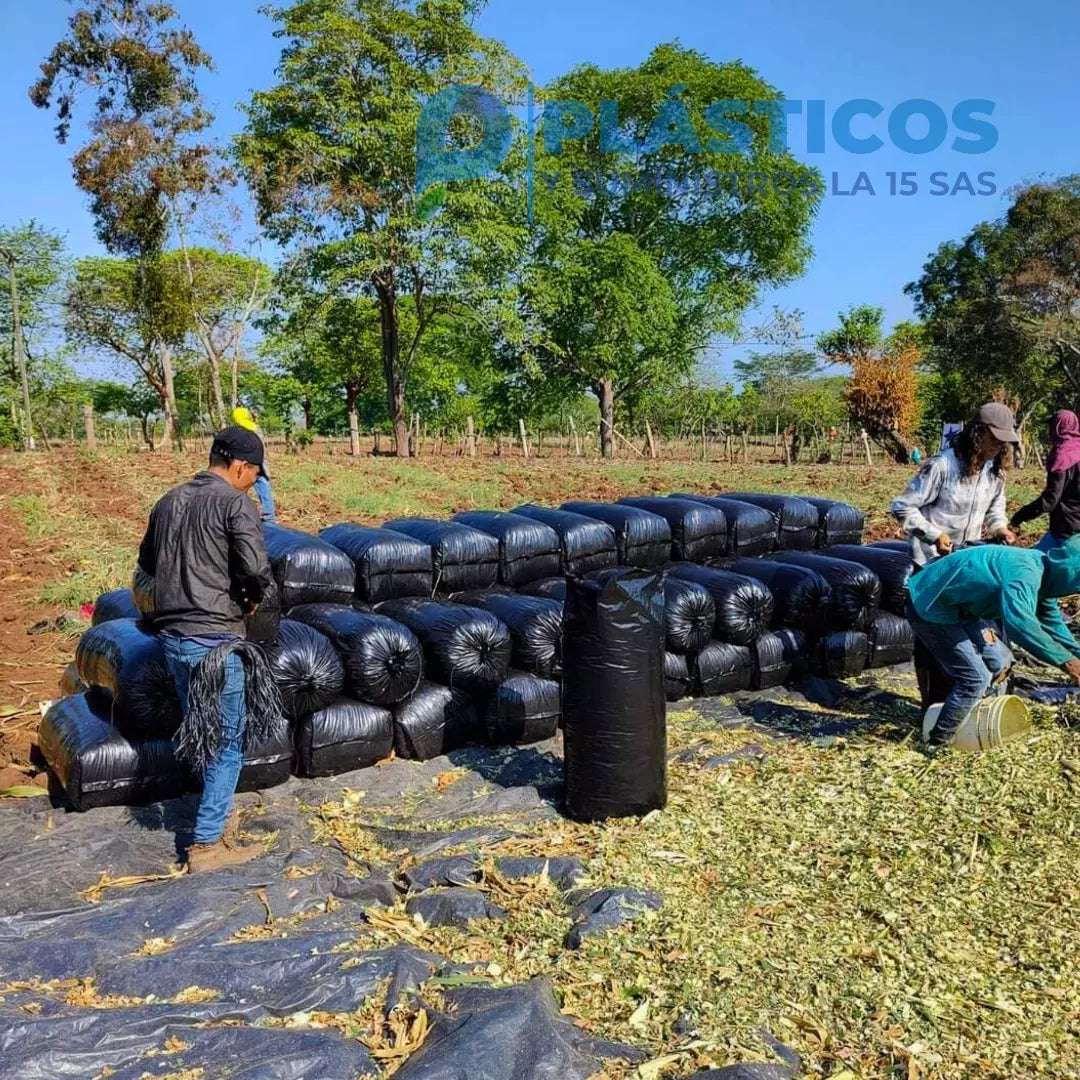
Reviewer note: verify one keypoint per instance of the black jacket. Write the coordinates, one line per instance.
(203, 547)
(1061, 500)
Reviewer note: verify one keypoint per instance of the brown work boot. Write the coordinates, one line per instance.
(231, 835)
(220, 855)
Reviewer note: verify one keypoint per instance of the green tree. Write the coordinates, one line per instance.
(1002, 306)
(674, 202)
(34, 265)
(330, 156)
(147, 143)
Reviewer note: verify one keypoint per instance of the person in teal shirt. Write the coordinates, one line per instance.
(952, 599)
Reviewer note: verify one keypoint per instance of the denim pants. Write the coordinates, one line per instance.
(972, 662)
(219, 784)
(1048, 542)
(266, 499)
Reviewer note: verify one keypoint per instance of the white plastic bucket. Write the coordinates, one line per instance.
(997, 720)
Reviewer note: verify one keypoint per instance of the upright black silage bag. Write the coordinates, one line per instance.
(613, 697)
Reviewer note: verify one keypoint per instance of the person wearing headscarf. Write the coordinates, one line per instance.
(1061, 496)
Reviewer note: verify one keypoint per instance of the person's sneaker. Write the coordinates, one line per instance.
(220, 855)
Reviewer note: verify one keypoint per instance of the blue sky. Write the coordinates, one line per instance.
(866, 248)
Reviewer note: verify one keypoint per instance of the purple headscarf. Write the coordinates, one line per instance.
(1064, 442)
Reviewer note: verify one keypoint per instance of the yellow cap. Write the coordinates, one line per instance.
(244, 418)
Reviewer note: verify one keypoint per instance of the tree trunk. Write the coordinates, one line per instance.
(171, 414)
(88, 425)
(605, 391)
(19, 349)
(235, 365)
(147, 433)
(215, 385)
(391, 358)
(893, 443)
(354, 419)
(306, 405)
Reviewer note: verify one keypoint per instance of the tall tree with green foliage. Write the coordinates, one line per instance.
(147, 145)
(330, 156)
(633, 168)
(1002, 306)
(33, 264)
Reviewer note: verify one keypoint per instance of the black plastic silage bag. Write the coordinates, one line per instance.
(552, 588)
(528, 549)
(142, 591)
(434, 721)
(722, 669)
(678, 680)
(262, 627)
(115, 604)
(642, 539)
(778, 657)
(689, 613)
(388, 564)
(308, 570)
(751, 530)
(892, 567)
(306, 667)
(585, 544)
(462, 558)
(267, 763)
(535, 625)
(903, 546)
(698, 531)
(892, 641)
(342, 736)
(796, 519)
(383, 659)
(856, 590)
(744, 606)
(842, 654)
(802, 597)
(613, 697)
(97, 766)
(838, 522)
(464, 647)
(523, 709)
(128, 663)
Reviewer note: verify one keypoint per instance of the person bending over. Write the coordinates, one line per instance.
(952, 599)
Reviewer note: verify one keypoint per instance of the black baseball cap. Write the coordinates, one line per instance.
(238, 444)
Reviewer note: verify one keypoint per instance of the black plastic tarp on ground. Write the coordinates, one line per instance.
(585, 544)
(388, 564)
(751, 530)
(796, 519)
(744, 606)
(698, 531)
(528, 549)
(643, 539)
(308, 570)
(462, 558)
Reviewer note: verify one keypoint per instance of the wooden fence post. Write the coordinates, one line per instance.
(470, 437)
(577, 437)
(649, 437)
(88, 424)
(524, 438)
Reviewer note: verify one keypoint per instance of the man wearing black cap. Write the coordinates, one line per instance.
(204, 548)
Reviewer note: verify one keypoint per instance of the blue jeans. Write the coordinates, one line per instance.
(1048, 542)
(973, 663)
(266, 499)
(219, 784)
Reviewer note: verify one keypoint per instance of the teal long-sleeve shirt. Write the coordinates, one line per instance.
(1013, 586)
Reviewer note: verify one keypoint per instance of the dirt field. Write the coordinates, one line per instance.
(70, 524)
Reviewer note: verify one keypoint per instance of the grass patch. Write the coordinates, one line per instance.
(886, 914)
